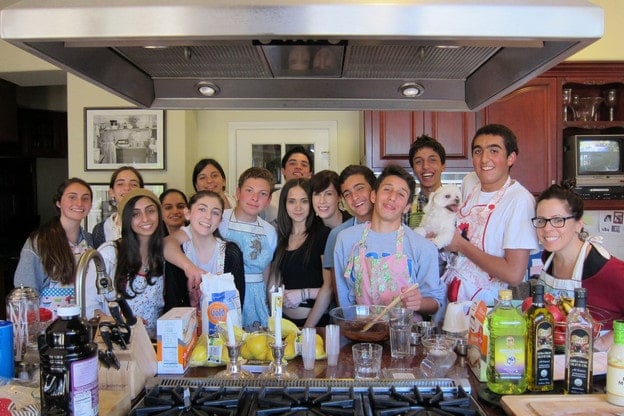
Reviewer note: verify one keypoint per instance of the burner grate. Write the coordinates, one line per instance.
(305, 397)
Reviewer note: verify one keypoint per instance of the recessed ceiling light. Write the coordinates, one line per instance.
(411, 89)
(208, 89)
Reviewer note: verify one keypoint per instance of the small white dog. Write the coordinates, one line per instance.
(438, 223)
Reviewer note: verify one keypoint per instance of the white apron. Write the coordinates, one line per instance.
(465, 280)
(565, 287)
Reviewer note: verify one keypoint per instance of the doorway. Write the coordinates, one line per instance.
(264, 143)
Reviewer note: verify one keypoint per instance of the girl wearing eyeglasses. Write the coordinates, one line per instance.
(572, 259)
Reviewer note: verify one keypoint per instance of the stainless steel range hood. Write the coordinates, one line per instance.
(295, 54)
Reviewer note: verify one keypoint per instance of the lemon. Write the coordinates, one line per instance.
(239, 333)
(288, 327)
(199, 354)
(290, 350)
(245, 353)
(319, 351)
(225, 356)
(256, 346)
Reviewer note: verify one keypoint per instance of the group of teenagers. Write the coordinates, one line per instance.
(323, 253)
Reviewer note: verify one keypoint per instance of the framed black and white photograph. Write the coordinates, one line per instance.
(117, 137)
(102, 208)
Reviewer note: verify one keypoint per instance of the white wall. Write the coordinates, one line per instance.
(611, 231)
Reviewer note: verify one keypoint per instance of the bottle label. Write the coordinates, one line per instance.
(579, 371)
(543, 358)
(615, 379)
(509, 357)
(84, 387)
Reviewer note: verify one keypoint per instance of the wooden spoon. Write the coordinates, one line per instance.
(385, 310)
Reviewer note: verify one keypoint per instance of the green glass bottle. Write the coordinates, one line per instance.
(506, 372)
(540, 347)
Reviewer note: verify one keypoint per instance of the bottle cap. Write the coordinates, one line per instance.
(618, 331)
(504, 294)
(68, 311)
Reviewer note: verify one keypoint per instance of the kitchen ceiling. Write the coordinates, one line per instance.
(453, 55)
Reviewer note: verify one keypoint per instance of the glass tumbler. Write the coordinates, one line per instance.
(22, 309)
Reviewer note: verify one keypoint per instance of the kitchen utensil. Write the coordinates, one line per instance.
(106, 333)
(352, 319)
(388, 307)
(103, 357)
(126, 310)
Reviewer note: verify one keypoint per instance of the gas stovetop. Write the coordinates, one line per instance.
(306, 397)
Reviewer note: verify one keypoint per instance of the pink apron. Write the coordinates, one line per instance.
(464, 279)
(378, 280)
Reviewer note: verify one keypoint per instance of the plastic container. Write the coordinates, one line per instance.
(22, 308)
(615, 366)
(69, 367)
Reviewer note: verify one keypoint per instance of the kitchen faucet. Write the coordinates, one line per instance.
(103, 282)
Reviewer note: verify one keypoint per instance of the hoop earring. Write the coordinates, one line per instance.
(583, 235)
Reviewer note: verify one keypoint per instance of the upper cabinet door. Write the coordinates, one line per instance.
(531, 113)
(389, 135)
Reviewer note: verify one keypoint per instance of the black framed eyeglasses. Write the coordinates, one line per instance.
(557, 222)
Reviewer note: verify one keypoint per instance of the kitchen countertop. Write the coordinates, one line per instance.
(344, 369)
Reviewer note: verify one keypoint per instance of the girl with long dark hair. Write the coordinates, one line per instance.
(49, 257)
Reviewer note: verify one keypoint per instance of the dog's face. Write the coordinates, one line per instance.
(449, 197)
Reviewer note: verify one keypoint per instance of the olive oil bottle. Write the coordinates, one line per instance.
(540, 347)
(579, 346)
(506, 371)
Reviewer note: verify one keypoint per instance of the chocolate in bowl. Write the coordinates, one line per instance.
(352, 320)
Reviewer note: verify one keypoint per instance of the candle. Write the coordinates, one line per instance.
(229, 320)
(278, 321)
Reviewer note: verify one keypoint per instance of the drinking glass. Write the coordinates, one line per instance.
(332, 344)
(575, 106)
(400, 332)
(611, 102)
(567, 100)
(367, 360)
(308, 350)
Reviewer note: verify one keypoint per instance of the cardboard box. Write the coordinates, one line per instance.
(176, 333)
(478, 339)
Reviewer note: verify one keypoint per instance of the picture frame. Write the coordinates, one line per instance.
(101, 207)
(117, 137)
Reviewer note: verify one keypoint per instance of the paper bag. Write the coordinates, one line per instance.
(218, 296)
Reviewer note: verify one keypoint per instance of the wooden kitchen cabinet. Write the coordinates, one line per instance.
(534, 112)
(389, 134)
(531, 113)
